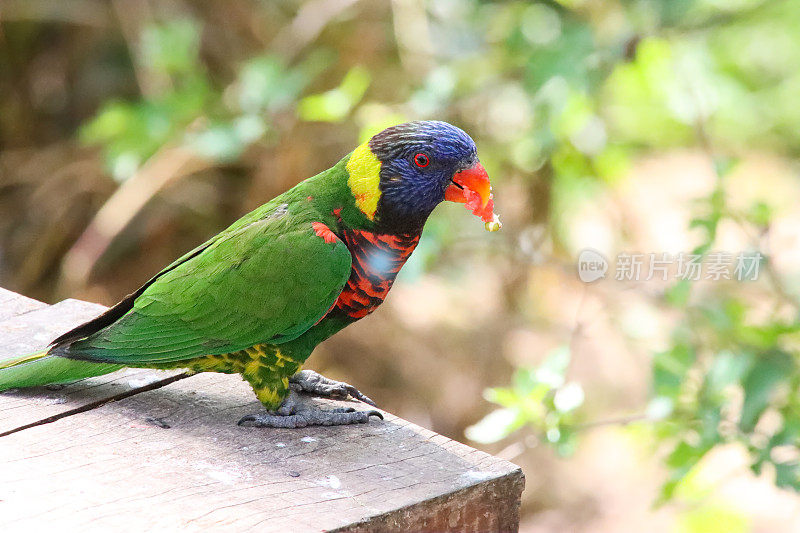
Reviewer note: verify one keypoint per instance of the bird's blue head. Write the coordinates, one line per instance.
(415, 167)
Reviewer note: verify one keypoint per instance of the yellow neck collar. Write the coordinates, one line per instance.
(364, 171)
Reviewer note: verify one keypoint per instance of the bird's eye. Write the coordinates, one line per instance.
(422, 160)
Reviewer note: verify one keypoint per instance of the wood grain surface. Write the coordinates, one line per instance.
(173, 457)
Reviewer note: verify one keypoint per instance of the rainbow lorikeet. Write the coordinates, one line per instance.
(257, 298)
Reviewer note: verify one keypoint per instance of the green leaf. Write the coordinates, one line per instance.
(760, 214)
(336, 104)
(494, 427)
(502, 396)
(685, 455)
(219, 142)
(171, 48)
(670, 368)
(681, 461)
(724, 165)
(767, 372)
(713, 518)
(525, 380)
(265, 85)
(787, 475)
(551, 371)
(568, 398)
(678, 294)
(727, 369)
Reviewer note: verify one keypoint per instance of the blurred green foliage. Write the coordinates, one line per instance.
(602, 82)
(133, 131)
(539, 397)
(334, 105)
(724, 373)
(184, 107)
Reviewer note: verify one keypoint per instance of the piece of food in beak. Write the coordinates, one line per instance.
(471, 187)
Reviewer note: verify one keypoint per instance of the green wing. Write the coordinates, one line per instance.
(268, 280)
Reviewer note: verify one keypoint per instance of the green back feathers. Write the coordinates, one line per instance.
(267, 278)
(266, 281)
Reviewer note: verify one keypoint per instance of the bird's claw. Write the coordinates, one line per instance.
(314, 383)
(297, 412)
(318, 417)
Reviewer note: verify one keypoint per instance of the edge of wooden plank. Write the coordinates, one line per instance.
(491, 505)
(33, 330)
(13, 304)
(371, 476)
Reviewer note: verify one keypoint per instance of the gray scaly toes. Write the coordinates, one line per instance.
(295, 412)
(314, 383)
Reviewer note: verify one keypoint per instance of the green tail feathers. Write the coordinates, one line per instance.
(39, 368)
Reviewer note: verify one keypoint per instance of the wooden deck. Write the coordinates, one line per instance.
(120, 452)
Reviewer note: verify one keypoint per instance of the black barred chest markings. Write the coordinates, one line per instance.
(377, 258)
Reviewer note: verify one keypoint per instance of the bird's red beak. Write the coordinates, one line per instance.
(471, 187)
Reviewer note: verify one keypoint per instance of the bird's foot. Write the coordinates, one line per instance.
(298, 412)
(314, 383)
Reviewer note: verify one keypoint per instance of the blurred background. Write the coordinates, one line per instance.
(130, 131)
